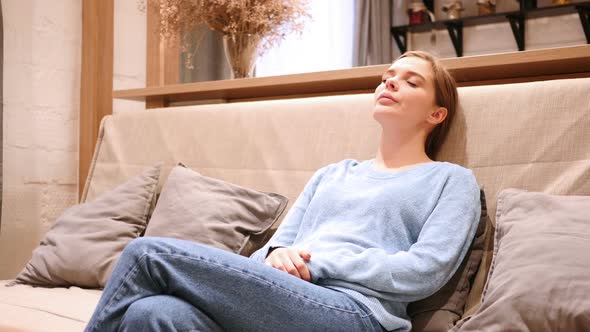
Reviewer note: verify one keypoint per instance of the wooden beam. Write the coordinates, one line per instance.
(1, 108)
(469, 70)
(96, 84)
(153, 76)
(162, 62)
(171, 62)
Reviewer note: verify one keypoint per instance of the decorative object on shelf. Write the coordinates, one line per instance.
(453, 9)
(561, 2)
(516, 18)
(241, 51)
(418, 13)
(486, 7)
(249, 27)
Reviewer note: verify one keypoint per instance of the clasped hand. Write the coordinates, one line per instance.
(290, 260)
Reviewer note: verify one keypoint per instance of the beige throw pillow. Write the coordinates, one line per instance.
(440, 311)
(83, 245)
(540, 274)
(211, 211)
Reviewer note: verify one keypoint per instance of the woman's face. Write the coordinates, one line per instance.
(406, 95)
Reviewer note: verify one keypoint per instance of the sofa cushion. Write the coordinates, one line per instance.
(441, 310)
(28, 308)
(212, 211)
(538, 280)
(83, 245)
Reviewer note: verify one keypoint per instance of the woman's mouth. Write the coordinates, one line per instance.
(386, 99)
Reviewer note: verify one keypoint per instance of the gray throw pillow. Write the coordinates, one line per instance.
(83, 245)
(540, 274)
(440, 311)
(211, 211)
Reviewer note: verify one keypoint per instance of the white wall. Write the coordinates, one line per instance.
(42, 49)
(41, 102)
(129, 52)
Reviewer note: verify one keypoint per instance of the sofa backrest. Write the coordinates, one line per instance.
(272, 146)
(533, 136)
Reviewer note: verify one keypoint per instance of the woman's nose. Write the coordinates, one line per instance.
(390, 83)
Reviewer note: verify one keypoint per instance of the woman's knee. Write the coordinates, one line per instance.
(143, 245)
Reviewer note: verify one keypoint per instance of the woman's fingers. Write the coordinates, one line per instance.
(290, 260)
(289, 264)
(279, 259)
(300, 265)
(305, 254)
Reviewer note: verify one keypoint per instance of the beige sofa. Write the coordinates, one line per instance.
(532, 136)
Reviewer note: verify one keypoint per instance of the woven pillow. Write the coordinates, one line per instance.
(84, 243)
(210, 211)
(540, 274)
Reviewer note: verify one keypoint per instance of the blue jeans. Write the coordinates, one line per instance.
(173, 285)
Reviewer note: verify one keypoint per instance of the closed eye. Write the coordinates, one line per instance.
(412, 84)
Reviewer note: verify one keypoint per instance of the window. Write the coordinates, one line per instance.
(325, 44)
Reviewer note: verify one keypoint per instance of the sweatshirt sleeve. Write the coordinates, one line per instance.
(287, 231)
(430, 262)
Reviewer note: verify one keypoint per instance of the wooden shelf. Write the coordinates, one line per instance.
(515, 18)
(471, 70)
(496, 17)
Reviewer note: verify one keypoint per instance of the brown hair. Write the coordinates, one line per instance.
(445, 90)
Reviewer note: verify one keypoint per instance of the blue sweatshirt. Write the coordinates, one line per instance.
(385, 238)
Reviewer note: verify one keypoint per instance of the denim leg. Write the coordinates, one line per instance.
(166, 313)
(236, 292)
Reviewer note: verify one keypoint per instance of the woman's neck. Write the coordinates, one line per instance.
(397, 151)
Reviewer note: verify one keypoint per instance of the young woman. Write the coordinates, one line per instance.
(362, 240)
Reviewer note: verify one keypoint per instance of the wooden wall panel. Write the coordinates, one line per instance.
(96, 84)
(162, 58)
(1, 107)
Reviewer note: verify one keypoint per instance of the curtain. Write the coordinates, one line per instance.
(373, 43)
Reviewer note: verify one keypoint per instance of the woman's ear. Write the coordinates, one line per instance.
(437, 116)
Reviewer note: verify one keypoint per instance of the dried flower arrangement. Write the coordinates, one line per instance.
(268, 21)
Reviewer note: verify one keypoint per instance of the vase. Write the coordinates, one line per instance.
(241, 52)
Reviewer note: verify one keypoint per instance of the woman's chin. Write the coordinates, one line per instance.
(384, 114)
(380, 108)
(381, 114)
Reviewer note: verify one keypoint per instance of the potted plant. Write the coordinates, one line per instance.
(249, 27)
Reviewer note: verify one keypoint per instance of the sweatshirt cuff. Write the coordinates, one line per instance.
(261, 254)
(314, 270)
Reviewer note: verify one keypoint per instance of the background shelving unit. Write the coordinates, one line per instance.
(528, 9)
